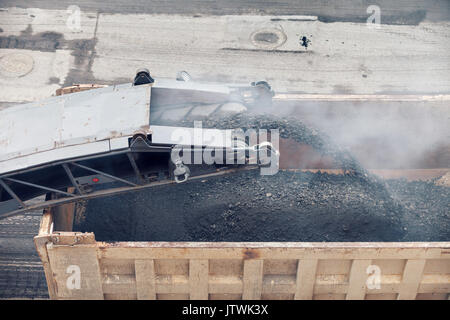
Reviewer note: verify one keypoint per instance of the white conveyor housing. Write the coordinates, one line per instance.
(73, 125)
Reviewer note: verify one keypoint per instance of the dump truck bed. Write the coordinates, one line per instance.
(238, 270)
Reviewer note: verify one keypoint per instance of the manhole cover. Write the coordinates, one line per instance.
(268, 38)
(16, 65)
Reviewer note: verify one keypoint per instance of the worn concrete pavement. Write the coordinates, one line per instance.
(40, 53)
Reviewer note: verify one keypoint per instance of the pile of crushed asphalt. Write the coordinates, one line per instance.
(288, 206)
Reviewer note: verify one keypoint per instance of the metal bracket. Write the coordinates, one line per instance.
(181, 172)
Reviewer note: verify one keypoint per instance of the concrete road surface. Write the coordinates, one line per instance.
(394, 12)
(43, 48)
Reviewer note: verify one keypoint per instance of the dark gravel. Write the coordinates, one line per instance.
(426, 209)
(289, 206)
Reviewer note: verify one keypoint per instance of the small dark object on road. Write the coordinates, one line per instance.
(305, 42)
